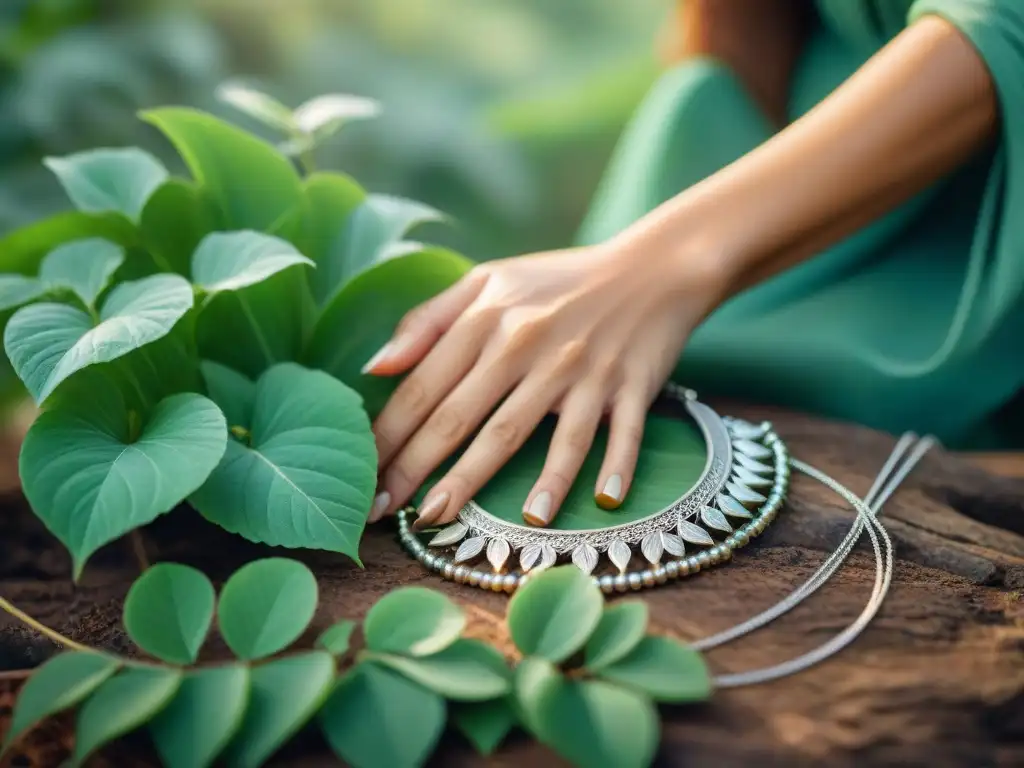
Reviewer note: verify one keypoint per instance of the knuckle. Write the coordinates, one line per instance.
(504, 431)
(399, 478)
(558, 481)
(411, 396)
(447, 423)
(521, 334)
(606, 368)
(570, 357)
(578, 439)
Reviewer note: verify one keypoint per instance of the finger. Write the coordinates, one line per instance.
(504, 434)
(625, 434)
(426, 387)
(446, 429)
(572, 440)
(423, 326)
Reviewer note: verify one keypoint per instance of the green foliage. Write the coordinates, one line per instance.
(168, 612)
(414, 621)
(537, 614)
(621, 628)
(226, 284)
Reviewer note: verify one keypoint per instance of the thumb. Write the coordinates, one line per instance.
(423, 326)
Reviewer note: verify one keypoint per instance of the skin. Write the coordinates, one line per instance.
(594, 332)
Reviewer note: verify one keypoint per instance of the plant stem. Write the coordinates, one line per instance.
(53, 634)
(139, 549)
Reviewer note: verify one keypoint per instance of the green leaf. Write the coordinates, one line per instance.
(363, 315)
(16, 290)
(377, 718)
(233, 392)
(307, 476)
(23, 249)
(539, 611)
(467, 670)
(176, 218)
(485, 723)
(663, 669)
(83, 266)
(59, 684)
(227, 261)
(594, 725)
(108, 485)
(47, 343)
(364, 239)
(249, 182)
(532, 678)
(265, 606)
(168, 612)
(109, 180)
(330, 199)
(336, 637)
(413, 620)
(621, 628)
(123, 703)
(286, 693)
(205, 714)
(258, 105)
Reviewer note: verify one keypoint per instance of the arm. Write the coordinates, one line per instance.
(913, 113)
(760, 40)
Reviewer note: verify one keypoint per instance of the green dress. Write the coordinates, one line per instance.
(913, 323)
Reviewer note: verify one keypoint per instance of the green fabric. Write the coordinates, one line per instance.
(912, 323)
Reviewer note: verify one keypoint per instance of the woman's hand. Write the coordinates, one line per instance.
(582, 332)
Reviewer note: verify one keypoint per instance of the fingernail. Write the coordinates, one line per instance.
(431, 507)
(380, 505)
(539, 512)
(610, 496)
(378, 356)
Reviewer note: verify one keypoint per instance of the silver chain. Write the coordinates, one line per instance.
(867, 510)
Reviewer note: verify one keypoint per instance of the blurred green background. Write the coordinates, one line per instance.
(502, 113)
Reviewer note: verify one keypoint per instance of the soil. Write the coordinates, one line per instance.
(937, 680)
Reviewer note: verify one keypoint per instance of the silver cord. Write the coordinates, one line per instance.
(867, 509)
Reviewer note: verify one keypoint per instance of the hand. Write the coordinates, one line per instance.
(582, 332)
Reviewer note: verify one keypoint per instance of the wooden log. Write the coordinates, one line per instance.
(937, 680)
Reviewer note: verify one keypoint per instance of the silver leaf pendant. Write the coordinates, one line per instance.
(743, 494)
(450, 535)
(752, 449)
(584, 557)
(469, 549)
(714, 519)
(673, 544)
(537, 556)
(498, 551)
(753, 465)
(619, 553)
(652, 547)
(749, 479)
(731, 507)
(744, 430)
(695, 534)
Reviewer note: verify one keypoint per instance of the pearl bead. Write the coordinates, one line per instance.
(621, 584)
(474, 578)
(607, 583)
(486, 580)
(635, 581)
(693, 564)
(704, 559)
(461, 574)
(660, 575)
(672, 569)
(647, 577)
(448, 571)
(498, 583)
(509, 583)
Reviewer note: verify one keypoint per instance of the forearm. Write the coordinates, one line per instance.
(916, 111)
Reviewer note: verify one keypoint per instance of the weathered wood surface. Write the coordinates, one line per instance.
(938, 679)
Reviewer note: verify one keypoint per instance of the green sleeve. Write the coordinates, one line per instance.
(994, 283)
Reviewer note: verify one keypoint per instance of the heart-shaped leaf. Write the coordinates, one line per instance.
(227, 261)
(235, 394)
(376, 717)
(537, 613)
(532, 678)
(593, 724)
(175, 220)
(335, 638)
(17, 290)
(621, 628)
(663, 669)
(330, 199)
(47, 343)
(374, 225)
(415, 621)
(307, 475)
(363, 315)
(258, 105)
(325, 114)
(224, 160)
(467, 670)
(109, 180)
(285, 694)
(485, 723)
(24, 248)
(123, 703)
(83, 266)
(110, 484)
(205, 714)
(59, 684)
(265, 606)
(168, 612)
